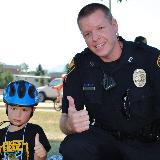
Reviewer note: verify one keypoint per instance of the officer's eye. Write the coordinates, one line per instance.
(87, 35)
(100, 28)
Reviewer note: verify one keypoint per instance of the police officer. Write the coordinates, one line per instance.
(111, 98)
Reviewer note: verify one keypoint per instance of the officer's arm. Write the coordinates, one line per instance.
(64, 124)
(72, 87)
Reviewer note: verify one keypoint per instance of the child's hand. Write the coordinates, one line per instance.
(40, 151)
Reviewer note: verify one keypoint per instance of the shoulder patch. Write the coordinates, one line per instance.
(158, 61)
(71, 66)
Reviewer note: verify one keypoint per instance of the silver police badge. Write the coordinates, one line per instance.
(139, 77)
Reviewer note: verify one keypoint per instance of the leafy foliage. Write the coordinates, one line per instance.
(5, 78)
(24, 67)
(40, 71)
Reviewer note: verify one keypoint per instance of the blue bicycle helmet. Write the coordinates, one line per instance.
(20, 93)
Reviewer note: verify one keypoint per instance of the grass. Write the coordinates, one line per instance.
(49, 121)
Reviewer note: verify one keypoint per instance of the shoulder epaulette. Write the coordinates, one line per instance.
(77, 60)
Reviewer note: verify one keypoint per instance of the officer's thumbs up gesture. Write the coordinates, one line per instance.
(78, 121)
(40, 152)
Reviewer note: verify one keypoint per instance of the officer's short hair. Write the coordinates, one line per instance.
(91, 8)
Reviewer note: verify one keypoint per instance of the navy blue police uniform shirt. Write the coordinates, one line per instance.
(136, 72)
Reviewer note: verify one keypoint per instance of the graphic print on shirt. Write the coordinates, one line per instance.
(14, 150)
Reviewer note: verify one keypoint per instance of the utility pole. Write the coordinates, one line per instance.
(110, 4)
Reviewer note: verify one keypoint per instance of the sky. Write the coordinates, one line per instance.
(45, 31)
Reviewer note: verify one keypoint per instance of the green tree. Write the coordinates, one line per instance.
(66, 67)
(5, 78)
(1, 68)
(110, 3)
(40, 71)
(24, 67)
(41, 82)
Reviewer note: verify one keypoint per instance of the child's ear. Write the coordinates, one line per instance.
(6, 106)
(34, 108)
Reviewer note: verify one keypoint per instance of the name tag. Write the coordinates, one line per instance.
(89, 87)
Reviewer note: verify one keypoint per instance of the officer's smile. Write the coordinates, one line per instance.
(100, 45)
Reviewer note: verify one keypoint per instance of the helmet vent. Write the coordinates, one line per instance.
(31, 91)
(12, 90)
(21, 89)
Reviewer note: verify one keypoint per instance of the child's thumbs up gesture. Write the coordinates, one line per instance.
(40, 152)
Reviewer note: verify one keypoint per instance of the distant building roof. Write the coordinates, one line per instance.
(14, 69)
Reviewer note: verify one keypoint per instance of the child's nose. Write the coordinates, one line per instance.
(18, 113)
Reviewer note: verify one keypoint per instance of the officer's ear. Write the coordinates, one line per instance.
(115, 25)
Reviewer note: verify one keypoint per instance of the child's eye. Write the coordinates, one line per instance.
(25, 110)
(13, 108)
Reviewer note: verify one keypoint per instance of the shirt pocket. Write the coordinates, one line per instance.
(92, 93)
(142, 102)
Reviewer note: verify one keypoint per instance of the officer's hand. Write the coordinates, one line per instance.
(40, 152)
(78, 121)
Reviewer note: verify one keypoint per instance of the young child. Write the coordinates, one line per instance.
(22, 140)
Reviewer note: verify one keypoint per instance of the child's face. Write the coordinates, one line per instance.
(19, 115)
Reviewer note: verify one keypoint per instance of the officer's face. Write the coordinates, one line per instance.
(100, 34)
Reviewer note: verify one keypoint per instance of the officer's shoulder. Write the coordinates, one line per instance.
(85, 53)
(83, 56)
(144, 48)
(150, 55)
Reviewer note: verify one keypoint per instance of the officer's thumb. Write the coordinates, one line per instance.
(72, 107)
(37, 139)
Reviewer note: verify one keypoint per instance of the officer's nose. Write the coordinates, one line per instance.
(95, 36)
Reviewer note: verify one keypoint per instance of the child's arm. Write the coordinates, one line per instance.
(40, 152)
